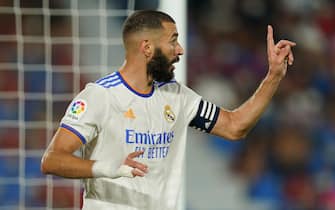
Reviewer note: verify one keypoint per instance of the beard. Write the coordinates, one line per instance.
(159, 68)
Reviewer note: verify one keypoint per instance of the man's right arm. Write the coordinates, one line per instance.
(59, 160)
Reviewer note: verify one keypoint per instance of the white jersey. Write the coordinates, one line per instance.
(113, 120)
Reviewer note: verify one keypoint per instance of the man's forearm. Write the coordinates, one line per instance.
(66, 165)
(249, 112)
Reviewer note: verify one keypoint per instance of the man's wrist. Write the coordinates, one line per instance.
(274, 77)
(105, 169)
(99, 169)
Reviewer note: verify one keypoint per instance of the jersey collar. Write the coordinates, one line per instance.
(132, 89)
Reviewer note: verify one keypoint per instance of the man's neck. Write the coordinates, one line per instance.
(136, 77)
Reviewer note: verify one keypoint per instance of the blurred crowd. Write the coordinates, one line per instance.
(288, 159)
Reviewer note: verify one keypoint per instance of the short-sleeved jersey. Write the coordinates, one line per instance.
(112, 120)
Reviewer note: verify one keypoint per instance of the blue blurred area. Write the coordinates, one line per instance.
(9, 109)
(9, 166)
(9, 194)
(32, 168)
(34, 81)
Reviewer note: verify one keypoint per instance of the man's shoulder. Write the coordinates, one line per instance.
(171, 85)
(103, 86)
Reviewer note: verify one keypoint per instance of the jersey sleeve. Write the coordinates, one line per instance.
(201, 114)
(87, 113)
(191, 102)
(206, 116)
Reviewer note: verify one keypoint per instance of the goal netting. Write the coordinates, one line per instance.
(48, 50)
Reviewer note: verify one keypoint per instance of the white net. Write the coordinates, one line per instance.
(48, 50)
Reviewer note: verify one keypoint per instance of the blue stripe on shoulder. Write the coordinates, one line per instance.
(106, 77)
(111, 80)
(115, 83)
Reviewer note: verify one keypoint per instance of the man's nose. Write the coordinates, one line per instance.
(179, 50)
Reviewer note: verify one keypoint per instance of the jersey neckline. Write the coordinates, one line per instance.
(132, 89)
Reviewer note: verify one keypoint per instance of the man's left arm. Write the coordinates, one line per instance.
(237, 123)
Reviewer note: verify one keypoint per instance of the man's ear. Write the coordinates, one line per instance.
(146, 48)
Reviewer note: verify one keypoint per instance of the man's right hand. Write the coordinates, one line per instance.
(139, 169)
(130, 168)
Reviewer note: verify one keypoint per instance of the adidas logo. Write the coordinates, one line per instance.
(129, 114)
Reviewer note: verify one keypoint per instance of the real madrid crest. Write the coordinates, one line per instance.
(168, 114)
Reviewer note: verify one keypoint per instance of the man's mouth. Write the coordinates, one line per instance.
(175, 60)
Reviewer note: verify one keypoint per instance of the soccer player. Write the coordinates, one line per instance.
(131, 125)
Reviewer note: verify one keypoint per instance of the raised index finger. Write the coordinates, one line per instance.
(270, 41)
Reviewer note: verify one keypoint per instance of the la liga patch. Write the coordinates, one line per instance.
(77, 109)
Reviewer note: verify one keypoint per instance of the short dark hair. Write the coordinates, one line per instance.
(144, 19)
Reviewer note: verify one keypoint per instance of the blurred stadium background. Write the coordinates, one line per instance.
(49, 49)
